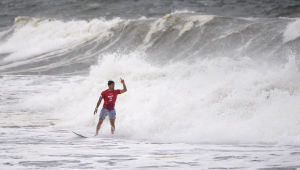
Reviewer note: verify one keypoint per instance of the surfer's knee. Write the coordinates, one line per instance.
(100, 122)
(112, 121)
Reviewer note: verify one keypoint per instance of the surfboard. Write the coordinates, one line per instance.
(80, 135)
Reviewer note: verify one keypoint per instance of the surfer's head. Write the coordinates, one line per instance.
(111, 84)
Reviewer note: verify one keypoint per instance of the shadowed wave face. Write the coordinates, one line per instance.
(85, 9)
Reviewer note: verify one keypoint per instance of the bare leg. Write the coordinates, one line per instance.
(112, 123)
(99, 125)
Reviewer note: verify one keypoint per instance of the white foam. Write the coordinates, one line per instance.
(173, 21)
(292, 31)
(35, 36)
(218, 100)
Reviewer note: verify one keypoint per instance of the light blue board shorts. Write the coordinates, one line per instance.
(104, 112)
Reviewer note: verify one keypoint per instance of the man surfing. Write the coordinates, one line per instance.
(110, 97)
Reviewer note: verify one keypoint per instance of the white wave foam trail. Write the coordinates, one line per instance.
(218, 100)
(35, 36)
(292, 31)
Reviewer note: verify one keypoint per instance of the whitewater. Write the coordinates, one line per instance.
(205, 91)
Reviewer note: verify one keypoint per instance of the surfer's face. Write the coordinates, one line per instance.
(111, 86)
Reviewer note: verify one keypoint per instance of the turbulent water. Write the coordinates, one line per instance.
(211, 84)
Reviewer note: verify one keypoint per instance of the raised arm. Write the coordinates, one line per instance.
(124, 86)
(98, 103)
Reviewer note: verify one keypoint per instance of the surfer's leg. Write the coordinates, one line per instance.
(112, 118)
(102, 116)
(112, 123)
(99, 125)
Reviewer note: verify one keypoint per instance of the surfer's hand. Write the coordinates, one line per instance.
(95, 111)
(122, 81)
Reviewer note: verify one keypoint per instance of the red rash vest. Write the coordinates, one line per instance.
(110, 98)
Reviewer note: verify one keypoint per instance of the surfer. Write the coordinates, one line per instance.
(110, 97)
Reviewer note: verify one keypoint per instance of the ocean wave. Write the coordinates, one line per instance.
(51, 46)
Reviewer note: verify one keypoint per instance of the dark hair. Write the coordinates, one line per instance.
(110, 82)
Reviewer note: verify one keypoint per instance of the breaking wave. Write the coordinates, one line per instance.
(191, 77)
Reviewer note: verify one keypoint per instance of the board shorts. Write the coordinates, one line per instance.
(104, 112)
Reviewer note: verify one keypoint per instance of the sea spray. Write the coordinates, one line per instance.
(218, 100)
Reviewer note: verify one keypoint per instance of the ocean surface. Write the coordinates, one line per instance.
(212, 84)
